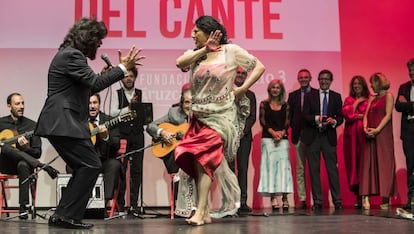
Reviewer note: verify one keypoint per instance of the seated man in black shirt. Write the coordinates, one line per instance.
(107, 145)
(22, 159)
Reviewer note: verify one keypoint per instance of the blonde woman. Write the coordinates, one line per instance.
(377, 168)
(275, 169)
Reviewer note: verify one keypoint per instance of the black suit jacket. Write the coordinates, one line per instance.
(311, 108)
(70, 83)
(297, 120)
(406, 108)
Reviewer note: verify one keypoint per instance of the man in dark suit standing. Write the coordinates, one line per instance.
(297, 123)
(405, 105)
(322, 110)
(64, 117)
(245, 147)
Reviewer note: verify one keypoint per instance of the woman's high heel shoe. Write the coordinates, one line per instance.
(276, 207)
(275, 204)
(385, 203)
(285, 203)
(365, 203)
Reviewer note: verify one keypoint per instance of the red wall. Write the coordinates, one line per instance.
(378, 36)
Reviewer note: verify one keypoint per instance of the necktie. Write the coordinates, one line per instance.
(303, 91)
(325, 103)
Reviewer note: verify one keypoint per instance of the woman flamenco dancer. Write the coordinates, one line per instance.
(218, 113)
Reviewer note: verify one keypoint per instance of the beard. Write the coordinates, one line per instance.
(91, 54)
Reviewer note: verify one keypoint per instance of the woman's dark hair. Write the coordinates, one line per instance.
(365, 90)
(85, 35)
(208, 24)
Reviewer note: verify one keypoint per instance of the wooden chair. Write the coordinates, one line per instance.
(114, 201)
(172, 197)
(5, 186)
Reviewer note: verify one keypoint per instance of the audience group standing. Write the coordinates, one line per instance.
(368, 142)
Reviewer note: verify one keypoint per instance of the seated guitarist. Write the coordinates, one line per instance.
(177, 114)
(23, 159)
(107, 143)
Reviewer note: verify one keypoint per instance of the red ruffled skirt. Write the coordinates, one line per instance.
(200, 144)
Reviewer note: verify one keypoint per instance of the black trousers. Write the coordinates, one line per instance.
(135, 161)
(408, 148)
(111, 170)
(313, 151)
(16, 162)
(80, 155)
(242, 165)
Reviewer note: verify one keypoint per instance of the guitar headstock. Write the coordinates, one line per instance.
(130, 115)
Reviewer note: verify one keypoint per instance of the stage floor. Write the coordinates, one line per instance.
(348, 220)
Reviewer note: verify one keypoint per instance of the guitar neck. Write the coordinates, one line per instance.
(108, 124)
(112, 122)
(13, 140)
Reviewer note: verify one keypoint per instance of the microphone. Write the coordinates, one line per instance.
(105, 58)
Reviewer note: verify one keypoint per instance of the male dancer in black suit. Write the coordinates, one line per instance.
(297, 123)
(322, 110)
(64, 117)
(405, 105)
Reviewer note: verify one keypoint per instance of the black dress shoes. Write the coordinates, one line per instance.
(52, 172)
(244, 208)
(407, 206)
(56, 221)
(317, 207)
(135, 212)
(338, 206)
(23, 212)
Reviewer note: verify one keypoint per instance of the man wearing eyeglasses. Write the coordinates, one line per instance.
(322, 110)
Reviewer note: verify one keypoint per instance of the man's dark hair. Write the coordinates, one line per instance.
(134, 71)
(97, 96)
(304, 70)
(85, 35)
(326, 71)
(10, 97)
(410, 62)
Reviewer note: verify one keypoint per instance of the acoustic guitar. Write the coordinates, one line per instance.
(9, 137)
(130, 115)
(159, 147)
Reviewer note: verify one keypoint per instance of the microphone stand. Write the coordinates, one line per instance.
(141, 195)
(176, 136)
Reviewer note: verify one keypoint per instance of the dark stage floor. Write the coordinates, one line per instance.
(348, 220)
